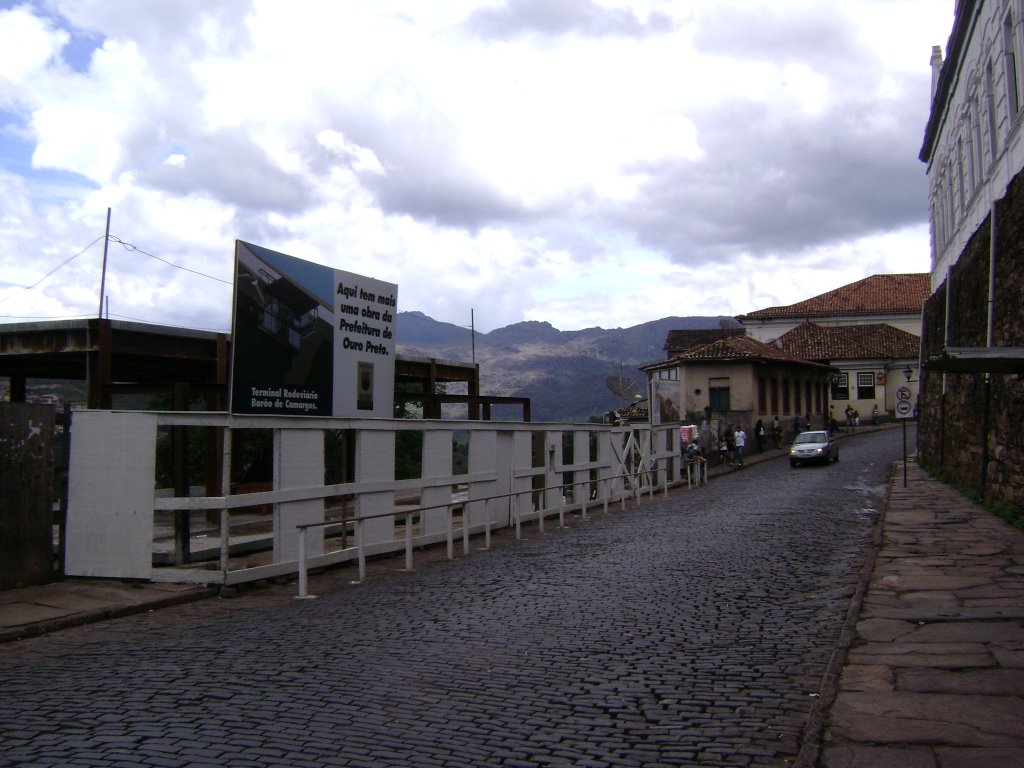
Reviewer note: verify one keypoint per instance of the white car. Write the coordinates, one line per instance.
(814, 446)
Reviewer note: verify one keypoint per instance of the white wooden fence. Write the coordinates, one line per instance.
(113, 502)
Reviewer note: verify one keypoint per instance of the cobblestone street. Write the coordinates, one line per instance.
(691, 630)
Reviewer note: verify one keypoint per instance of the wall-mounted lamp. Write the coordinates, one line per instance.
(908, 372)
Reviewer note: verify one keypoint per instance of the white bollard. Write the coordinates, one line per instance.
(449, 536)
(408, 541)
(362, 550)
(303, 582)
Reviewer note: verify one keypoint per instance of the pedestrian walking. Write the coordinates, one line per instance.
(741, 444)
(759, 435)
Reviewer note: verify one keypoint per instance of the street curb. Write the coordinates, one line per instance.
(39, 629)
(810, 749)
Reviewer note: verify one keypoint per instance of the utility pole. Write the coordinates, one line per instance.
(103, 274)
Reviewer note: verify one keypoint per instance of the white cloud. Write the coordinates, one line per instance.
(27, 44)
(599, 163)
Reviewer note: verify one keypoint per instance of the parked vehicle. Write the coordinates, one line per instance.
(818, 445)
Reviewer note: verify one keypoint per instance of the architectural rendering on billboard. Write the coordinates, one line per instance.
(308, 340)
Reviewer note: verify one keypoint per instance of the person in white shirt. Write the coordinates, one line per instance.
(741, 445)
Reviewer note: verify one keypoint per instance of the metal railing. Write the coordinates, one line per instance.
(466, 533)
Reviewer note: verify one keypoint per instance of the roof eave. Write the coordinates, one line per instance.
(963, 19)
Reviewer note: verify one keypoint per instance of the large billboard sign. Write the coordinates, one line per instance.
(308, 340)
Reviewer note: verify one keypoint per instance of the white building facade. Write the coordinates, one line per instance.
(973, 143)
(972, 381)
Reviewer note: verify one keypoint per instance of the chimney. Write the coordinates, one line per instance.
(936, 67)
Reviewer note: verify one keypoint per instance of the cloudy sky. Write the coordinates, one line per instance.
(584, 162)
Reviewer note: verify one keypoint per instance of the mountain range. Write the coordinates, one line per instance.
(562, 372)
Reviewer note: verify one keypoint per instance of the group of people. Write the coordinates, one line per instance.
(761, 434)
(853, 417)
(804, 425)
(732, 445)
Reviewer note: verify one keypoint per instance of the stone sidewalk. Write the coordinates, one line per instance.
(34, 611)
(935, 674)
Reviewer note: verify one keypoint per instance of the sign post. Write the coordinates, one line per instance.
(904, 411)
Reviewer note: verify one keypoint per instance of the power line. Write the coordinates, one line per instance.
(131, 247)
(127, 247)
(63, 263)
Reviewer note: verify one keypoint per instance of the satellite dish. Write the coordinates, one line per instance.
(620, 386)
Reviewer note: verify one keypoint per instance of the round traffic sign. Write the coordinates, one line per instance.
(903, 407)
(903, 393)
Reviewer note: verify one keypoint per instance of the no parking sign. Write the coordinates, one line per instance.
(904, 408)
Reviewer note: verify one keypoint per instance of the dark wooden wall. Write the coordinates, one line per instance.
(26, 494)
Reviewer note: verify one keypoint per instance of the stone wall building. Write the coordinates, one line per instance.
(971, 389)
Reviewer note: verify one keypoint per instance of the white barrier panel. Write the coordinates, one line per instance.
(110, 495)
(298, 463)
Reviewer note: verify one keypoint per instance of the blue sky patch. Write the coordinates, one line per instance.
(78, 52)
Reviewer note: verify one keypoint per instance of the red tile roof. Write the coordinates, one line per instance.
(680, 341)
(878, 294)
(736, 348)
(849, 342)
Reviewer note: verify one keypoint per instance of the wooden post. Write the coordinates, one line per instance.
(180, 474)
(26, 494)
